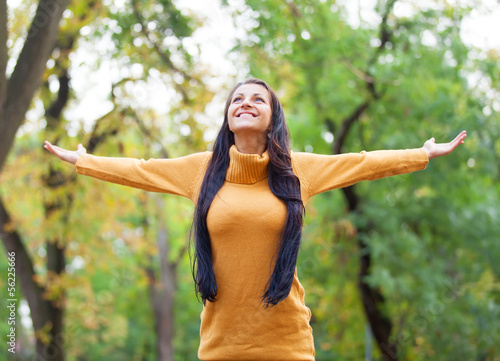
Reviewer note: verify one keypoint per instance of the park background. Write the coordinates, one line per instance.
(403, 268)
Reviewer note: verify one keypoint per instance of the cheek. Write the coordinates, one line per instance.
(230, 122)
(230, 112)
(268, 119)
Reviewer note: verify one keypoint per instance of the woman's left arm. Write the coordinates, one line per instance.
(434, 149)
(321, 173)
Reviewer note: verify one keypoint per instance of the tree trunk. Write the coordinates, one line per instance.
(15, 98)
(47, 316)
(16, 93)
(24, 267)
(372, 298)
(3, 53)
(163, 287)
(56, 261)
(53, 310)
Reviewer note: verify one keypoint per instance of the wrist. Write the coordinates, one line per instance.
(428, 152)
(75, 159)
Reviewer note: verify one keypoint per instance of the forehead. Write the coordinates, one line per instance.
(250, 89)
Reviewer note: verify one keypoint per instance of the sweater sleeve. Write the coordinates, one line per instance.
(320, 173)
(174, 176)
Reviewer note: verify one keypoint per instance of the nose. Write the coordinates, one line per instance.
(245, 102)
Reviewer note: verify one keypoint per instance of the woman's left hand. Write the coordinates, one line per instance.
(434, 149)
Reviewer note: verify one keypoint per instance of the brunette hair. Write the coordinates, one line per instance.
(282, 182)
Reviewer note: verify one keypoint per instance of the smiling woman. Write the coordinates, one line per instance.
(250, 117)
(249, 194)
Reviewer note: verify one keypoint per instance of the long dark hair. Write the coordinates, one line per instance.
(282, 182)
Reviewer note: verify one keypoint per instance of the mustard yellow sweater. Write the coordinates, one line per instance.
(244, 222)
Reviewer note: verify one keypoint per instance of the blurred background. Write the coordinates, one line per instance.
(403, 268)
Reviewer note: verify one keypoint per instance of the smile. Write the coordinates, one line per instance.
(246, 115)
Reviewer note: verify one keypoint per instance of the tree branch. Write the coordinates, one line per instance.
(359, 73)
(147, 132)
(295, 11)
(54, 111)
(29, 69)
(385, 37)
(163, 56)
(385, 33)
(347, 123)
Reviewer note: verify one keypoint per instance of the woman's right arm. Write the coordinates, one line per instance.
(175, 175)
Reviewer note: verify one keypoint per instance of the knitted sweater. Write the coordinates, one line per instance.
(244, 223)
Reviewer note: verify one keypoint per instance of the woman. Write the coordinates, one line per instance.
(249, 195)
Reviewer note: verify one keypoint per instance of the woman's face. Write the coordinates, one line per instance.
(249, 112)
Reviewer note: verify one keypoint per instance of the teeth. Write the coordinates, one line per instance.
(246, 115)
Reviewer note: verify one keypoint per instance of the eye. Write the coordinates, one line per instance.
(259, 100)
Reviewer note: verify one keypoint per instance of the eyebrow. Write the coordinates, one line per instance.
(254, 94)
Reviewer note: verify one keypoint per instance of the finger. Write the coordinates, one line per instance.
(459, 139)
(59, 149)
(49, 147)
(456, 142)
(55, 150)
(461, 136)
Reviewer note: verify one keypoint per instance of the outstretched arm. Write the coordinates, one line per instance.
(70, 156)
(175, 176)
(320, 173)
(434, 149)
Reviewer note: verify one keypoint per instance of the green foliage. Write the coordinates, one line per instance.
(434, 234)
(109, 231)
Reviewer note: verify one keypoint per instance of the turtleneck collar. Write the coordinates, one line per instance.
(246, 168)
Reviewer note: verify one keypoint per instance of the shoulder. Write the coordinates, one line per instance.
(193, 159)
(311, 165)
(200, 156)
(300, 158)
(303, 162)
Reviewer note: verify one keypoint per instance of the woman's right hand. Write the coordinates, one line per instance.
(70, 156)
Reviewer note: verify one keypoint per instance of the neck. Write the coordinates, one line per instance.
(250, 145)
